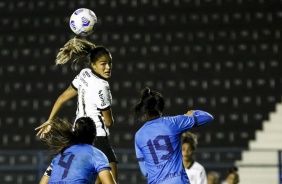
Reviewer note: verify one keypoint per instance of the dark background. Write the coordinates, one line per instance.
(221, 56)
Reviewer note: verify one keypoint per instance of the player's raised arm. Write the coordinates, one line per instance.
(69, 93)
(201, 117)
(157, 142)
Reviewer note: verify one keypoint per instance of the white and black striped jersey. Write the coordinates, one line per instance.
(94, 95)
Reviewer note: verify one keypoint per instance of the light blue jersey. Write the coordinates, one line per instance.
(158, 147)
(79, 164)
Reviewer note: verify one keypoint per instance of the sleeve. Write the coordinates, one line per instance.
(75, 82)
(202, 117)
(140, 158)
(104, 98)
(181, 123)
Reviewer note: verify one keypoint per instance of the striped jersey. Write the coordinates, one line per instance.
(94, 95)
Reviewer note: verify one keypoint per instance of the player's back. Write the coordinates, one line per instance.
(159, 143)
(79, 164)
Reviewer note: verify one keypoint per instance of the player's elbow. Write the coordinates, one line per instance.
(208, 118)
(203, 118)
(109, 123)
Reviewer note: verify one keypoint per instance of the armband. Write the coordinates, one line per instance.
(48, 171)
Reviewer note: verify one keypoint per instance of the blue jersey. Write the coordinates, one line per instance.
(79, 164)
(158, 147)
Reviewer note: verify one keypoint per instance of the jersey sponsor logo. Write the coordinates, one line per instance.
(169, 176)
(58, 182)
(83, 101)
(88, 75)
(83, 81)
(109, 94)
(102, 98)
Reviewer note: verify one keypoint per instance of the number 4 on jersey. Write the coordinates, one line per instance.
(66, 165)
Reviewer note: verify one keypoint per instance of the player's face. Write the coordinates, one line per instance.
(187, 152)
(103, 66)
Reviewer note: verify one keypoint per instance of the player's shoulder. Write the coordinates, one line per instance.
(149, 125)
(140, 132)
(84, 74)
(198, 165)
(97, 78)
(175, 117)
(87, 148)
(88, 73)
(79, 146)
(85, 71)
(98, 153)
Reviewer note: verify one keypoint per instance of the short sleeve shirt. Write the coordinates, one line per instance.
(78, 164)
(94, 95)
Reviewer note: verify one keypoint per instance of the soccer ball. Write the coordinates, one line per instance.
(83, 21)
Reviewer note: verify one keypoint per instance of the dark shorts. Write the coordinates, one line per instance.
(103, 143)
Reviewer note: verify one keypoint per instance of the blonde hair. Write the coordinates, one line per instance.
(74, 50)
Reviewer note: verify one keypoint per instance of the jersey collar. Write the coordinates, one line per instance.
(193, 161)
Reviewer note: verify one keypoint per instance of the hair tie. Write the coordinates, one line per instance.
(149, 91)
(73, 127)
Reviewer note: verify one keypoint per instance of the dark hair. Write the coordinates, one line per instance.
(190, 138)
(84, 130)
(151, 104)
(97, 52)
(63, 135)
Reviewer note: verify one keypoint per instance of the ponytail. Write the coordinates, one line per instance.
(60, 136)
(74, 50)
(63, 134)
(151, 104)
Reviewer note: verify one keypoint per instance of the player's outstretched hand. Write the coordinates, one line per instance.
(44, 128)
